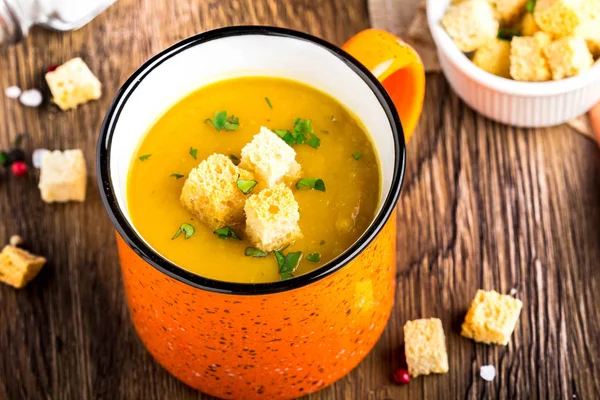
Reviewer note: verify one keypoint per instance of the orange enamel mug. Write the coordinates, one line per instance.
(277, 340)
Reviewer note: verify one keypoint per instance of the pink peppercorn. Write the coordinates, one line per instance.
(19, 168)
(52, 68)
(402, 377)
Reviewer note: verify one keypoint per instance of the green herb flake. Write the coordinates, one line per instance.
(223, 122)
(234, 159)
(145, 157)
(311, 183)
(254, 252)
(177, 176)
(357, 156)
(314, 141)
(286, 136)
(508, 34)
(302, 129)
(227, 233)
(268, 102)
(322, 242)
(246, 186)
(530, 6)
(314, 257)
(287, 264)
(280, 258)
(302, 133)
(193, 152)
(187, 230)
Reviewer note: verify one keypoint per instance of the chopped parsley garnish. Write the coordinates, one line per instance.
(314, 257)
(302, 133)
(357, 156)
(268, 102)
(322, 242)
(223, 122)
(508, 34)
(227, 233)
(314, 141)
(530, 6)
(302, 127)
(145, 157)
(187, 231)
(177, 176)
(311, 183)
(254, 252)
(246, 186)
(288, 137)
(287, 263)
(234, 159)
(193, 152)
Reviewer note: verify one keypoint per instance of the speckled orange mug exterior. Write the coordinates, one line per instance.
(278, 340)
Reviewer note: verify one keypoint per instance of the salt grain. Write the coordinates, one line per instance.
(16, 240)
(31, 98)
(488, 372)
(12, 92)
(36, 157)
(513, 291)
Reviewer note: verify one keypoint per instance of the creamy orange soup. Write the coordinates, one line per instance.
(331, 220)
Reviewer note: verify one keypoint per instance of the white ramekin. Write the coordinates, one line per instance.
(527, 104)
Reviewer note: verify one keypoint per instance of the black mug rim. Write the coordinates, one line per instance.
(134, 241)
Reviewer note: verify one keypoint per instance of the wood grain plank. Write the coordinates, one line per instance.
(483, 206)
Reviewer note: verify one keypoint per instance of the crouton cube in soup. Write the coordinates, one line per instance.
(216, 150)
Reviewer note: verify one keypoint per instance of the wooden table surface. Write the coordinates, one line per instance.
(483, 206)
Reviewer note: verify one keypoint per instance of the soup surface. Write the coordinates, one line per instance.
(331, 221)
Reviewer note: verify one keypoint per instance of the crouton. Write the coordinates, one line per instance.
(558, 17)
(72, 84)
(494, 57)
(272, 218)
(18, 267)
(63, 176)
(270, 158)
(528, 25)
(425, 347)
(527, 60)
(568, 56)
(471, 24)
(509, 11)
(211, 193)
(491, 318)
(590, 31)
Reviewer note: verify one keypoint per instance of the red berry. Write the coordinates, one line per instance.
(52, 68)
(19, 168)
(402, 377)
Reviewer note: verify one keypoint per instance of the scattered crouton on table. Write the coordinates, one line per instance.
(63, 176)
(425, 347)
(491, 318)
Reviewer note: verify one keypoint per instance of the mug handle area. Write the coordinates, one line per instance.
(398, 67)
